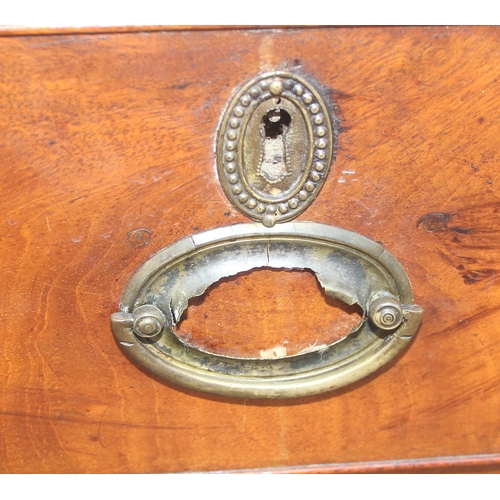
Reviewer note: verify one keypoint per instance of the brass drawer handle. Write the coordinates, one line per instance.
(349, 266)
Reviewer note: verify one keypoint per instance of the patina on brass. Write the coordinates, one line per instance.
(275, 146)
(348, 266)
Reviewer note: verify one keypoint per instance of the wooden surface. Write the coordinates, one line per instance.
(107, 156)
(472, 464)
(219, 322)
(86, 30)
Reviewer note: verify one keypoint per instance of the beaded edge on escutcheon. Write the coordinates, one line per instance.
(275, 85)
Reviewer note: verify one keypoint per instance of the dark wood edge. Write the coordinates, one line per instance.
(8, 31)
(471, 464)
(93, 30)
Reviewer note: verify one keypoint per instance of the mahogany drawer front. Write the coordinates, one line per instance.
(107, 156)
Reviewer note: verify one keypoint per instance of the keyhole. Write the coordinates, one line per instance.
(273, 163)
(275, 122)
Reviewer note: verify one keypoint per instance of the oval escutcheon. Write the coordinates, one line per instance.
(275, 146)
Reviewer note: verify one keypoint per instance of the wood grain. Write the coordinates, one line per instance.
(107, 137)
(472, 464)
(266, 312)
(86, 30)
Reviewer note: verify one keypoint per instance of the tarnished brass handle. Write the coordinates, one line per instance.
(349, 266)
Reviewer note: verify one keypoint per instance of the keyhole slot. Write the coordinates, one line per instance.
(275, 122)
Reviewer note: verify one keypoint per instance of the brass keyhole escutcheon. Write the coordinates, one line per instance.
(275, 146)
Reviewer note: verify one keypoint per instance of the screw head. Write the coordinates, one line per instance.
(269, 220)
(276, 87)
(385, 312)
(147, 327)
(148, 321)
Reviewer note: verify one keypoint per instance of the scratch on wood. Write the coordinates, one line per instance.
(244, 415)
